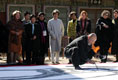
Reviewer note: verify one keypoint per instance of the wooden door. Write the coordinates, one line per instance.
(3, 17)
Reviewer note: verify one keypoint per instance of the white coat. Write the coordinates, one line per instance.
(56, 31)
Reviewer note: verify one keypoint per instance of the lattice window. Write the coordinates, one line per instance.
(95, 2)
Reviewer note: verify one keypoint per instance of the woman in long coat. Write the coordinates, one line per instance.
(115, 39)
(104, 31)
(83, 24)
(56, 31)
(15, 27)
(44, 37)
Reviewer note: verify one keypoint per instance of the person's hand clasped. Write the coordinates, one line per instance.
(17, 33)
(34, 37)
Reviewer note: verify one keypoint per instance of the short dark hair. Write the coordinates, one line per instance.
(71, 13)
(26, 13)
(41, 13)
(116, 10)
(32, 16)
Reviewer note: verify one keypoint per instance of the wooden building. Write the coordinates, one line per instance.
(93, 7)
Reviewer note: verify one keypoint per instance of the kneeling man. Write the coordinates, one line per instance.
(79, 50)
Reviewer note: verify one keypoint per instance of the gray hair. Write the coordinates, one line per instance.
(105, 12)
(92, 35)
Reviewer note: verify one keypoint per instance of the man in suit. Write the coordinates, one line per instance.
(25, 21)
(32, 41)
(79, 50)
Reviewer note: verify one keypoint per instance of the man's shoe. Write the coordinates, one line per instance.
(103, 61)
(78, 68)
(70, 62)
(57, 63)
(53, 62)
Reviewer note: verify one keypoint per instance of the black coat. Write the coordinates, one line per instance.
(24, 36)
(44, 39)
(87, 27)
(3, 38)
(104, 35)
(78, 50)
(115, 38)
(32, 44)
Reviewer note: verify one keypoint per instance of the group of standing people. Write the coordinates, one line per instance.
(31, 36)
(34, 36)
(28, 36)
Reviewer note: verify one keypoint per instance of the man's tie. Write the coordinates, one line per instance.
(32, 28)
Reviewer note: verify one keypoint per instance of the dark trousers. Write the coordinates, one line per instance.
(28, 56)
(70, 40)
(75, 57)
(29, 50)
(73, 54)
(24, 45)
(38, 57)
(42, 55)
(35, 57)
(23, 53)
(104, 51)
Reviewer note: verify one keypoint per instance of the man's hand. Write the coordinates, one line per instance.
(90, 61)
(34, 37)
(106, 26)
(17, 33)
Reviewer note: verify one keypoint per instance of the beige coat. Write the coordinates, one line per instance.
(56, 31)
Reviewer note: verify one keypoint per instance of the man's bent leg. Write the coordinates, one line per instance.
(75, 58)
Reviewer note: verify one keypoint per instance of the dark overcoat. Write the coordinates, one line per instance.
(78, 50)
(87, 27)
(104, 35)
(44, 39)
(115, 38)
(3, 38)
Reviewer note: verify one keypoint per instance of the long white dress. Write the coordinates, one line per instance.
(56, 31)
